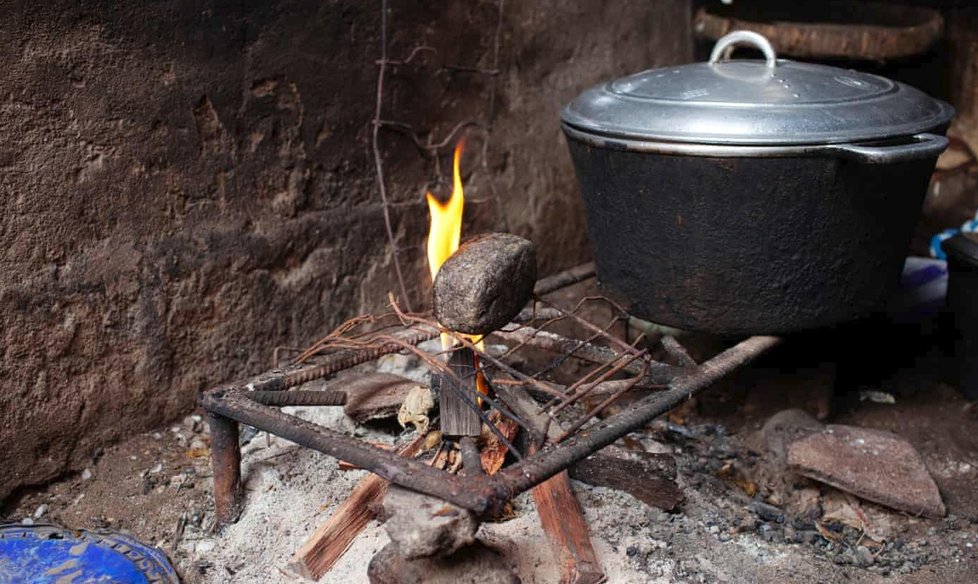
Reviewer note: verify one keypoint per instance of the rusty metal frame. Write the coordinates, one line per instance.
(256, 401)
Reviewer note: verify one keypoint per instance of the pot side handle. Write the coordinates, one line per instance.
(922, 146)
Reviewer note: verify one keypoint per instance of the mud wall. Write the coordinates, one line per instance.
(188, 185)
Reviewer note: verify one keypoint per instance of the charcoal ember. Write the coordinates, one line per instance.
(766, 512)
(423, 526)
(485, 283)
(475, 564)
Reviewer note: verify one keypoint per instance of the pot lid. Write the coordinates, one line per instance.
(753, 102)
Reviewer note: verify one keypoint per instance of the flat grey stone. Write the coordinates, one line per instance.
(878, 466)
(423, 526)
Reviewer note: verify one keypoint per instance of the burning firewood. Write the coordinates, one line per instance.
(331, 540)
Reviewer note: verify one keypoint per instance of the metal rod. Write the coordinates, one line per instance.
(594, 328)
(548, 462)
(346, 358)
(564, 279)
(597, 409)
(405, 472)
(298, 397)
(604, 377)
(677, 351)
(226, 465)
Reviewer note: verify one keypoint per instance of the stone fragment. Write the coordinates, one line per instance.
(766, 512)
(424, 526)
(877, 466)
(785, 427)
(474, 564)
(485, 283)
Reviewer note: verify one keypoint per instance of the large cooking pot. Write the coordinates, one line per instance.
(745, 196)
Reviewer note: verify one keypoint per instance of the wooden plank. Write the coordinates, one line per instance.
(650, 479)
(331, 540)
(456, 415)
(563, 522)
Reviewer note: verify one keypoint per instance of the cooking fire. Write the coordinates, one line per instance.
(491, 293)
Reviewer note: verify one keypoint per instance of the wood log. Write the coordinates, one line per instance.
(458, 418)
(563, 522)
(873, 31)
(331, 540)
(650, 480)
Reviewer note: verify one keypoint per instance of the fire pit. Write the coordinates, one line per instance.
(537, 405)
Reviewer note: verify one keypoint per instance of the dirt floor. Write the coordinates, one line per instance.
(743, 520)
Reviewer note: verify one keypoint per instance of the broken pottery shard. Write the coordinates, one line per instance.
(475, 564)
(877, 466)
(485, 283)
(423, 526)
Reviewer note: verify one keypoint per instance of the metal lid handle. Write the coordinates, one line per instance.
(725, 46)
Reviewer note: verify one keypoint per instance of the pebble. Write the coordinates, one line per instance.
(205, 545)
(766, 512)
(157, 468)
(40, 511)
(27, 521)
(157, 435)
(86, 474)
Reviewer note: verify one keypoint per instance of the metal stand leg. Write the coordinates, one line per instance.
(226, 463)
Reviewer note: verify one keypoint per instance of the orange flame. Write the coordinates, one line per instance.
(446, 220)
(444, 233)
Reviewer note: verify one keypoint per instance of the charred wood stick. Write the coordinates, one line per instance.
(331, 540)
(471, 460)
(459, 416)
(650, 479)
(558, 508)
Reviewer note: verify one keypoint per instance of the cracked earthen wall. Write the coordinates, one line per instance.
(187, 185)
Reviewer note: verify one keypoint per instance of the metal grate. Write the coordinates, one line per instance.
(559, 429)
